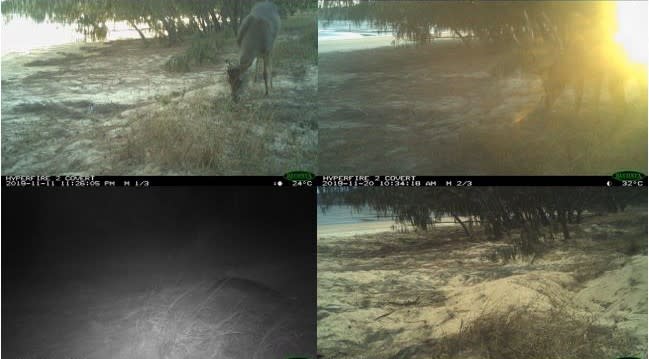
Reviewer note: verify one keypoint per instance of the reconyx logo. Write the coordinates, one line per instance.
(629, 176)
(299, 176)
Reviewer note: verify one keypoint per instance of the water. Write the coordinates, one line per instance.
(345, 215)
(21, 34)
(339, 30)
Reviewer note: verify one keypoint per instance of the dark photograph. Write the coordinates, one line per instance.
(175, 272)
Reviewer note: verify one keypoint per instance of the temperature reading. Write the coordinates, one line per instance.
(302, 183)
(632, 184)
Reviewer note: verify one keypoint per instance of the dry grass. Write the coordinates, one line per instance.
(590, 142)
(549, 319)
(198, 134)
(203, 136)
(521, 333)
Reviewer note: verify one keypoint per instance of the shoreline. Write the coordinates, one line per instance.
(353, 229)
(346, 45)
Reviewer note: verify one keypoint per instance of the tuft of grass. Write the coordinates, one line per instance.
(203, 48)
(177, 63)
(521, 333)
(635, 245)
(200, 139)
(203, 135)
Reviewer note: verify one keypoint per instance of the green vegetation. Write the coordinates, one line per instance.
(491, 21)
(165, 18)
(297, 46)
(532, 213)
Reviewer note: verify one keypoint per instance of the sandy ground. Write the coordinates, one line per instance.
(368, 42)
(219, 317)
(343, 230)
(370, 227)
(384, 295)
(67, 109)
(174, 311)
(445, 109)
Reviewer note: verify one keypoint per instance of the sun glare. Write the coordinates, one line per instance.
(632, 31)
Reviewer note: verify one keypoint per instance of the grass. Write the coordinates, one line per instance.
(203, 135)
(521, 333)
(203, 48)
(199, 134)
(299, 45)
(297, 23)
(203, 138)
(587, 143)
(556, 324)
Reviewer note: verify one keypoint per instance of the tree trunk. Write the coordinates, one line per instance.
(564, 224)
(132, 24)
(466, 230)
(465, 40)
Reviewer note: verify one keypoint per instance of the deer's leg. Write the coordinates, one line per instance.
(266, 72)
(257, 68)
(270, 69)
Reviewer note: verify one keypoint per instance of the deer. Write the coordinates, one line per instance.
(575, 66)
(573, 63)
(255, 38)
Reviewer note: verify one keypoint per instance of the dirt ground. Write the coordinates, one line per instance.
(168, 318)
(445, 109)
(185, 304)
(71, 109)
(394, 295)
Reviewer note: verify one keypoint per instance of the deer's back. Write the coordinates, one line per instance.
(259, 29)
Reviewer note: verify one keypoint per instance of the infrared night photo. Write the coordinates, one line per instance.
(171, 272)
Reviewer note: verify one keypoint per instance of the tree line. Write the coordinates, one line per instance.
(497, 22)
(166, 19)
(497, 210)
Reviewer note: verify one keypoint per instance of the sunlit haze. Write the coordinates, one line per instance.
(632, 32)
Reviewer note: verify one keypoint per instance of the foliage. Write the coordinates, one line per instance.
(498, 209)
(167, 19)
(302, 48)
(494, 21)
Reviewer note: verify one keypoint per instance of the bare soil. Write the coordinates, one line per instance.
(73, 109)
(446, 109)
(403, 295)
(220, 317)
(163, 306)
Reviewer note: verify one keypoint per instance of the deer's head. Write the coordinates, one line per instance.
(235, 79)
